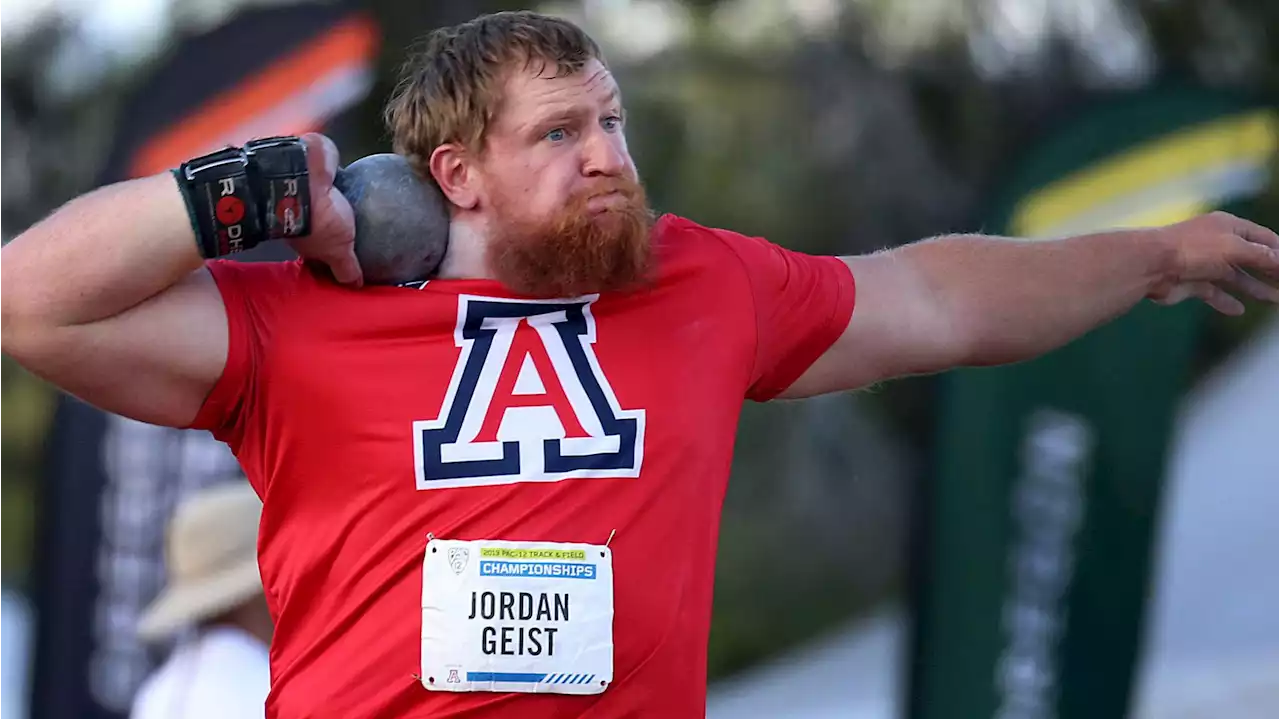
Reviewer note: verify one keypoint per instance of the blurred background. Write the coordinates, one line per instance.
(1093, 534)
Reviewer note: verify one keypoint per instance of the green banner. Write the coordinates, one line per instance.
(1038, 521)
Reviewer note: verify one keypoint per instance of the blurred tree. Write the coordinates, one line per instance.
(402, 24)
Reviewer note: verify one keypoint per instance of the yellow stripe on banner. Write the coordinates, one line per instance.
(1162, 215)
(1249, 138)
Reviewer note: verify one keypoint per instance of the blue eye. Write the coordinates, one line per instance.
(556, 135)
(613, 122)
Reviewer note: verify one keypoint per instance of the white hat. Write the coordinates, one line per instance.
(212, 559)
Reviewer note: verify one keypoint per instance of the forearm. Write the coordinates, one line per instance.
(1008, 300)
(968, 300)
(99, 255)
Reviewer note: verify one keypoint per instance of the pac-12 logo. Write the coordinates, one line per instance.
(528, 401)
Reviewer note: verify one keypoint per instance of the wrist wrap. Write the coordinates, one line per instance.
(278, 166)
(238, 198)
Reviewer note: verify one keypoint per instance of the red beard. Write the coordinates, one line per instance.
(577, 251)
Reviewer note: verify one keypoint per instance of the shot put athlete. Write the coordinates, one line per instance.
(497, 493)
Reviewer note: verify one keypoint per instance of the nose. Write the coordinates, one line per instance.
(605, 155)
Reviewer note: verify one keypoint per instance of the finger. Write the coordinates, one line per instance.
(322, 158)
(1217, 298)
(1256, 258)
(1255, 287)
(1255, 233)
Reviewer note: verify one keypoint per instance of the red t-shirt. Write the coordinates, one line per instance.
(337, 402)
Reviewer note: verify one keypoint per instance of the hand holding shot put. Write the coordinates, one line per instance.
(536, 441)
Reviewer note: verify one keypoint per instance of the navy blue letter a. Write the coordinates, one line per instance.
(532, 446)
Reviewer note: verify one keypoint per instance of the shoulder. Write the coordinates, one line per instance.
(218, 672)
(720, 254)
(149, 702)
(683, 244)
(239, 673)
(672, 232)
(234, 648)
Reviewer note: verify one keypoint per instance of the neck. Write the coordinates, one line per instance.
(465, 258)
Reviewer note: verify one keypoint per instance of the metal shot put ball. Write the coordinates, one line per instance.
(402, 222)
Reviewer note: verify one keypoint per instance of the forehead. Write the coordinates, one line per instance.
(537, 90)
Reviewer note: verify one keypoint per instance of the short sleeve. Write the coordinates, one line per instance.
(249, 290)
(802, 304)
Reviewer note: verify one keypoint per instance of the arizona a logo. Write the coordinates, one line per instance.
(527, 402)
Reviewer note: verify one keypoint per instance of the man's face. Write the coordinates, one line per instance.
(565, 212)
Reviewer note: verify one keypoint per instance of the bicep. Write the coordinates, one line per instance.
(898, 327)
(155, 362)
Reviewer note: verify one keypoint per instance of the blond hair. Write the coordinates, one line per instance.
(451, 89)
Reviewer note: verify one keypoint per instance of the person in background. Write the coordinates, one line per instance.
(214, 596)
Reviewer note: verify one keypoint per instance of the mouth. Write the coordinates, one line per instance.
(606, 201)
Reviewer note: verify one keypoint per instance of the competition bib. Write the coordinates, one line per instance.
(517, 617)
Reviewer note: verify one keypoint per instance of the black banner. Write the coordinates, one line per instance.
(111, 482)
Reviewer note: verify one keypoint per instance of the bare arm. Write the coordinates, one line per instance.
(108, 299)
(972, 301)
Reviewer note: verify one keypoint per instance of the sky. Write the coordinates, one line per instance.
(116, 21)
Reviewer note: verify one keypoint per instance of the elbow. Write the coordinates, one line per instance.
(964, 342)
(941, 329)
(24, 329)
(7, 327)
(11, 314)
(19, 333)
(12, 307)
(35, 346)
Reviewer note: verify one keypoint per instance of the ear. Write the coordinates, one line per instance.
(450, 165)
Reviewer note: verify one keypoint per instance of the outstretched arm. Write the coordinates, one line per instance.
(970, 300)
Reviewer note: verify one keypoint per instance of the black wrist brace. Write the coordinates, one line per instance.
(238, 198)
